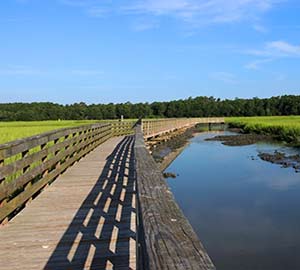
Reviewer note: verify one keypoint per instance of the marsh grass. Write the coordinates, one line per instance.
(285, 128)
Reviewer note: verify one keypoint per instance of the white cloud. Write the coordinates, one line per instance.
(260, 28)
(198, 12)
(204, 11)
(97, 11)
(144, 25)
(93, 8)
(271, 51)
(283, 48)
(225, 77)
(256, 64)
(277, 49)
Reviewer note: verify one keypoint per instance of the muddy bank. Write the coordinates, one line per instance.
(167, 160)
(169, 175)
(241, 139)
(178, 141)
(280, 158)
(165, 152)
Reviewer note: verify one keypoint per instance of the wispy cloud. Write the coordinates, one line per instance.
(204, 11)
(93, 8)
(271, 51)
(256, 64)
(276, 49)
(225, 77)
(144, 25)
(197, 12)
(97, 11)
(260, 28)
(283, 48)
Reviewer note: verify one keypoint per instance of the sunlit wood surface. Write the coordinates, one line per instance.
(85, 220)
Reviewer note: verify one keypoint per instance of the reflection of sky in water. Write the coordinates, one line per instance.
(245, 211)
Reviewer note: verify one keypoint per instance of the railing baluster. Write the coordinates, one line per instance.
(3, 202)
(1, 165)
(24, 170)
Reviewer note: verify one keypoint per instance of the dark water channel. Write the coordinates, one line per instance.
(245, 211)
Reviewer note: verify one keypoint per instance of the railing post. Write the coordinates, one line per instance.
(148, 127)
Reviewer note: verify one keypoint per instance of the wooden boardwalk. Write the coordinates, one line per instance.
(84, 198)
(85, 220)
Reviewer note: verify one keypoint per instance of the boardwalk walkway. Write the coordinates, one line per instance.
(85, 220)
(92, 197)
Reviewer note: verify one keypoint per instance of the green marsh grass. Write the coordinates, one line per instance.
(285, 128)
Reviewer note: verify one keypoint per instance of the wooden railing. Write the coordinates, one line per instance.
(158, 126)
(120, 128)
(167, 240)
(27, 166)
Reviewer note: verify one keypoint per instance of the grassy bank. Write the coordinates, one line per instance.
(284, 128)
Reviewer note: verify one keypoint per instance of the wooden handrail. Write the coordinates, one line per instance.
(29, 165)
(165, 239)
(154, 127)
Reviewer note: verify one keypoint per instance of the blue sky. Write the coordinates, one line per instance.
(101, 51)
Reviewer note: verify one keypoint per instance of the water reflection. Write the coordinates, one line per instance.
(245, 210)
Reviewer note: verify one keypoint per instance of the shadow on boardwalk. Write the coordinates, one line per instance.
(102, 234)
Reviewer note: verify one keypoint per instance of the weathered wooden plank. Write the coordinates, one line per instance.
(16, 202)
(169, 240)
(44, 234)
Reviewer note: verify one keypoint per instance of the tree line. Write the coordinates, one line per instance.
(190, 107)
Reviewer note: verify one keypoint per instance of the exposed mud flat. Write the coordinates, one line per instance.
(177, 142)
(165, 152)
(280, 158)
(241, 139)
(169, 175)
